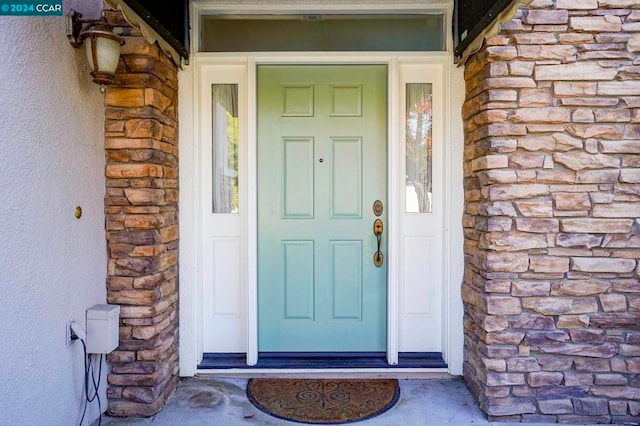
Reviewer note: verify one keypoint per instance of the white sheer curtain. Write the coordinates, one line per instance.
(224, 105)
(418, 148)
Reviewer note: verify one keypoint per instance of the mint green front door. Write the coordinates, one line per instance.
(322, 134)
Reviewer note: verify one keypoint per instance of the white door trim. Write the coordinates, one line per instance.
(190, 245)
(252, 216)
(393, 158)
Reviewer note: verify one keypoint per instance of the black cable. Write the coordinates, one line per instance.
(88, 368)
(99, 402)
(96, 387)
(84, 411)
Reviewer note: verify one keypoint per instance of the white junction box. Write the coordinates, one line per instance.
(102, 328)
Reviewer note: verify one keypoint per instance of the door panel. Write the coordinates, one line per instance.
(321, 165)
(346, 178)
(422, 201)
(298, 276)
(346, 262)
(297, 191)
(222, 208)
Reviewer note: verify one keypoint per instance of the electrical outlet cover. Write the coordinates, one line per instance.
(68, 333)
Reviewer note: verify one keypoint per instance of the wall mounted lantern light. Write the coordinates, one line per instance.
(102, 46)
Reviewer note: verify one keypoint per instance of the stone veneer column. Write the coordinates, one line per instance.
(141, 207)
(552, 188)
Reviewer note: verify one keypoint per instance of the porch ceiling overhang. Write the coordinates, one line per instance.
(485, 22)
(152, 29)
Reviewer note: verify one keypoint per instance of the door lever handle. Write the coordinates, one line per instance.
(378, 258)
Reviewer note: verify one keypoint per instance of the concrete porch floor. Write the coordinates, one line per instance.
(218, 401)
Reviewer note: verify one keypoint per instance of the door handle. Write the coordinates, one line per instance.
(378, 258)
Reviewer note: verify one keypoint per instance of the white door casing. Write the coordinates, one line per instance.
(228, 244)
(193, 146)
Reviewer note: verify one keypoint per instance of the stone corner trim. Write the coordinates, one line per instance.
(141, 207)
(552, 206)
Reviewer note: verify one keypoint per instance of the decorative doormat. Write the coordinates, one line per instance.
(328, 401)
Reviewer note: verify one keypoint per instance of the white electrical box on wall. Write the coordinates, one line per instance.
(102, 328)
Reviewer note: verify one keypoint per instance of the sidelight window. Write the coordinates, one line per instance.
(419, 148)
(225, 147)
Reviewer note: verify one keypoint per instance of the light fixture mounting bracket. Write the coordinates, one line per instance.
(74, 27)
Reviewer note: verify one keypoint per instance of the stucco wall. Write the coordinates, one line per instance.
(52, 266)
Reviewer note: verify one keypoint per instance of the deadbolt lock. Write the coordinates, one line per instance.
(378, 208)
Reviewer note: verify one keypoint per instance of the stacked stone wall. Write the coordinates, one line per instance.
(552, 189)
(141, 207)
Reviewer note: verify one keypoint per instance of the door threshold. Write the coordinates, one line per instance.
(336, 373)
(329, 361)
